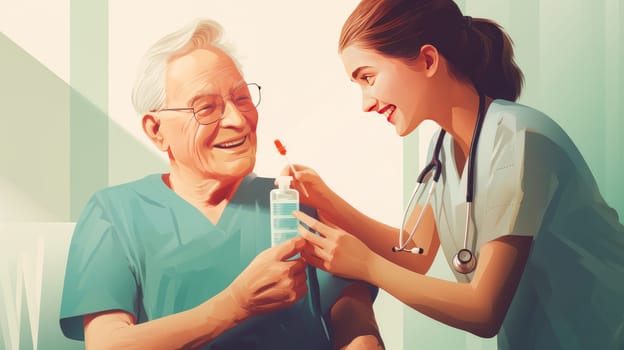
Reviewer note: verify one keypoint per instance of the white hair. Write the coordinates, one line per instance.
(148, 93)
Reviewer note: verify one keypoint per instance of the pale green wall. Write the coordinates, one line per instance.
(55, 155)
(571, 54)
(89, 100)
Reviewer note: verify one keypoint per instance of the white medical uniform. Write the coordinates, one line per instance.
(532, 181)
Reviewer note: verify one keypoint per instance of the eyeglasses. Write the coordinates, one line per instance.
(209, 109)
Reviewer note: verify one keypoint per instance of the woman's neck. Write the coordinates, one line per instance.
(458, 116)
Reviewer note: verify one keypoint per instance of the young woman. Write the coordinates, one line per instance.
(538, 254)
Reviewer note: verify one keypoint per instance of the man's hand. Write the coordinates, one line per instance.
(271, 282)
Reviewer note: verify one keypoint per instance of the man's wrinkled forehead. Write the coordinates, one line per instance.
(203, 70)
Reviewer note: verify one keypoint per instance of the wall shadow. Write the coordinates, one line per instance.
(38, 151)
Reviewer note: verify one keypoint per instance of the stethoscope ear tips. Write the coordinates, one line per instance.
(464, 261)
(416, 250)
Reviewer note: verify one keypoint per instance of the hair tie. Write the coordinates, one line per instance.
(468, 21)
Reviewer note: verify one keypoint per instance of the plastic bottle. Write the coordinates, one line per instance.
(284, 200)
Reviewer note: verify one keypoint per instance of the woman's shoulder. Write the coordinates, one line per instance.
(514, 118)
(531, 135)
(518, 116)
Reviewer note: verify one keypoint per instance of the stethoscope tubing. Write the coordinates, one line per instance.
(436, 165)
(403, 244)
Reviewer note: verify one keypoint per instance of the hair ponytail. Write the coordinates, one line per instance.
(494, 71)
(478, 50)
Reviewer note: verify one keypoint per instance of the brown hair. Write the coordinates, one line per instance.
(478, 50)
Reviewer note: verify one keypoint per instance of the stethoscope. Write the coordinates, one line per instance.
(464, 260)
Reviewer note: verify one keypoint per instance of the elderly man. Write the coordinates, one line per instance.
(182, 260)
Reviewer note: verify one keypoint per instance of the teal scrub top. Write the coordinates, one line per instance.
(531, 180)
(141, 248)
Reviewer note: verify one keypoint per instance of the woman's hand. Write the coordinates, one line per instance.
(271, 282)
(318, 191)
(334, 250)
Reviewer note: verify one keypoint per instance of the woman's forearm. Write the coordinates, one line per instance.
(380, 237)
(343, 214)
(452, 303)
(479, 306)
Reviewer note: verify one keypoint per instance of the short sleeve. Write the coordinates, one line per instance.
(522, 182)
(98, 276)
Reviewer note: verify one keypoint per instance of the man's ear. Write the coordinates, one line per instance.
(151, 126)
(431, 58)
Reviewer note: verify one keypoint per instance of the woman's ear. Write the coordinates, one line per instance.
(431, 58)
(151, 126)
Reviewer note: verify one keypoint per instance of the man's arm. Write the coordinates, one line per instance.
(190, 329)
(269, 283)
(353, 321)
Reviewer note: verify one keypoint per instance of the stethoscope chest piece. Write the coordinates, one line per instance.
(464, 261)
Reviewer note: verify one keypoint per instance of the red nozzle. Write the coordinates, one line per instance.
(280, 148)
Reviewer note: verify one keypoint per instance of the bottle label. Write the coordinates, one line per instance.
(283, 223)
(284, 208)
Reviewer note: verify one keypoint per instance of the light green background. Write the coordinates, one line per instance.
(570, 52)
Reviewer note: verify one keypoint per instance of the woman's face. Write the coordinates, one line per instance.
(389, 86)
